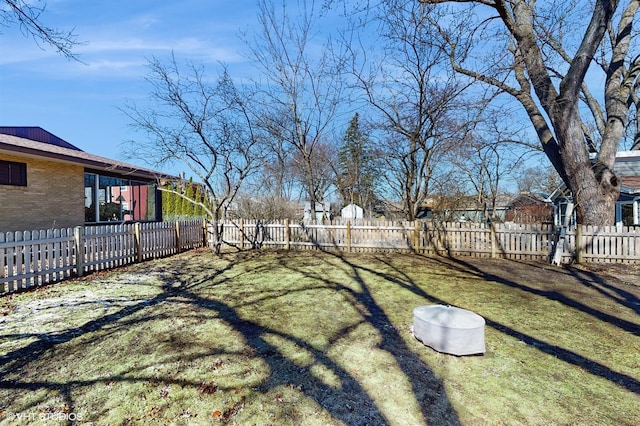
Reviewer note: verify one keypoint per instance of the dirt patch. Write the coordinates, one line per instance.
(625, 273)
(615, 276)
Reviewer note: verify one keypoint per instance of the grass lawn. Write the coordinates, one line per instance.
(313, 338)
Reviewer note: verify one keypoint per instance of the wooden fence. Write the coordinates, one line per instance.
(509, 241)
(32, 258)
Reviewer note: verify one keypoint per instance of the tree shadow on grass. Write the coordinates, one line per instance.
(14, 361)
(616, 293)
(554, 295)
(426, 387)
(18, 359)
(350, 400)
(566, 355)
(185, 285)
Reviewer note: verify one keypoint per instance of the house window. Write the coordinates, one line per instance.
(565, 214)
(12, 173)
(627, 215)
(628, 212)
(109, 199)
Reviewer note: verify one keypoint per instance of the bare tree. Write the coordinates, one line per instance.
(265, 207)
(277, 178)
(316, 169)
(28, 17)
(540, 53)
(302, 88)
(538, 179)
(488, 155)
(413, 97)
(207, 128)
(633, 130)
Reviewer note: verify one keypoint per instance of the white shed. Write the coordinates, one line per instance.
(352, 211)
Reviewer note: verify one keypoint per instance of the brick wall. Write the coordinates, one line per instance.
(53, 197)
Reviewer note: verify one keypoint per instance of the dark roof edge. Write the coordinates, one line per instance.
(90, 160)
(37, 134)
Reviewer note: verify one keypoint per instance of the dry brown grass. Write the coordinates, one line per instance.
(313, 338)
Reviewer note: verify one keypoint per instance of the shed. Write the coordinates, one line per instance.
(352, 211)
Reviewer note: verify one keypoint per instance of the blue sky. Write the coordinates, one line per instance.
(79, 102)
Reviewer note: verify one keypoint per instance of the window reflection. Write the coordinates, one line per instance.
(113, 199)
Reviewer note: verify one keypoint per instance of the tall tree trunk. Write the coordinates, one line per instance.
(592, 182)
(551, 99)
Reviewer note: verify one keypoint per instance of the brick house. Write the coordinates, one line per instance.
(46, 182)
(529, 207)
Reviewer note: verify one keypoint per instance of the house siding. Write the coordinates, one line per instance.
(53, 197)
(631, 181)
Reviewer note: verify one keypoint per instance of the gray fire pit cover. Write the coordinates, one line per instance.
(449, 329)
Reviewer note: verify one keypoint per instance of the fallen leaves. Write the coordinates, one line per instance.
(208, 389)
(154, 411)
(229, 412)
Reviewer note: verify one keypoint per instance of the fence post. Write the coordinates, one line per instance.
(348, 236)
(79, 247)
(205, 239)
(287, 235)
(178, 245)
(493, 240)
(138, 237)
(416, 236)
(579, 244)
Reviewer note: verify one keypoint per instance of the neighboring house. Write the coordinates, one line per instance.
(322, 212)
(529, 207)
(464, 209)
(46, 182)
(627, 167)
(475, 211)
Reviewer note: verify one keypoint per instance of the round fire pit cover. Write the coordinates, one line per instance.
(449, 329)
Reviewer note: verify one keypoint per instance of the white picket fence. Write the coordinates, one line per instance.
(508, 241)
(32, 258)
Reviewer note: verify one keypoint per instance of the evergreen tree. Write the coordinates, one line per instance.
(181, 204)
(356, 174)
(169, 202)
(177, 207)
(189, 206)
(199, 197)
